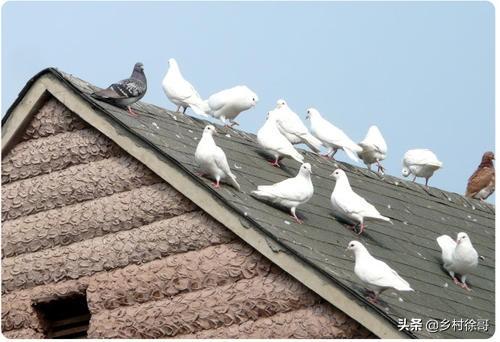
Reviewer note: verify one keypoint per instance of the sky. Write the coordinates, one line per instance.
(423, 72)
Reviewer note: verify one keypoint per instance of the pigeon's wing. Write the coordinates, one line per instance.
(221, 161)
(124, 89)
(421, 157)
(287, 189)
(218, 100)
(375, 139)
(480, 179)
(183, 90)
(383, 275)
(352, 203)
(335, 136)
(447, 245)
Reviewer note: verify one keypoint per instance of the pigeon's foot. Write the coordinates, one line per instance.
(184, 111)
(216, 185)
(326, 155)
(131, 112)
(275, 163)
(233, 123)
(380, 168)
(296, 219)
(361, 229)
(456, 281)
(372, 297)
(465, 286)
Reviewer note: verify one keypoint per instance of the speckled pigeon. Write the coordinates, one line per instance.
(127, 91)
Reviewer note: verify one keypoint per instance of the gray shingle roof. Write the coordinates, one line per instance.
(419, 215)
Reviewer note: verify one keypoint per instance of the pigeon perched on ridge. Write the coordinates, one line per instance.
(293, 129)
(459, 257)
(374, 148)
(332, 137)
(125, 92)
(482, 182)
(227, 104)
(374, 273)
(289, 193)
(420, 163)
(271, 140)
(179, 91)
(349, 206)
(212, 160)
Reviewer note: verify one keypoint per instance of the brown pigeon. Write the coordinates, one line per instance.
(482, 182)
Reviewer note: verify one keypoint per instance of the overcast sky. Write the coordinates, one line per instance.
(423, 72)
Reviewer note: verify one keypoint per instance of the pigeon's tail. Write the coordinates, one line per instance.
(351, 154)
(403, 286)
(311, 141)
(200, 107)
(105, 94)
(233, 182)
(262, 194)
(297, 156)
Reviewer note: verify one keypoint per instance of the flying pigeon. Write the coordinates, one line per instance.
(125, 92)
(289, 193)
(293, 129)
(349, 206)
(227, 104)
(374, 273)
(212, 160)
(179, 91)
(420, 163)
(271, 140)
(459, 257)
(482, 182)
(374, 149)
(332, 137)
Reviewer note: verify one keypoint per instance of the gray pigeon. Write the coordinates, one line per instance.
(125, 92)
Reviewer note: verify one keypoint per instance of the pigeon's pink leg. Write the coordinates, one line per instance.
(216, 184)
(456, 281)
(361, 228)
(131, 112)
(464, 286)
(299, 221)
(276, 163)
(372, 297)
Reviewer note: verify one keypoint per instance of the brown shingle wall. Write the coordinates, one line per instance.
(318, 321)
(213, 266)
(82, 221)
(41, 156)
(248, 299)
(52, 118)
(73, 185)
(23, 333)
(180, 234)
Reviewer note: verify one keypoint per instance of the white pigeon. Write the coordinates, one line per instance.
(349, 206)
(420, 163)
(227, 104)
(289, 193)
(459, 257)
(374, 148)
(293, 129)
(271, 140)
(179, 91)
(212, 160)
(374, 273)
(332, 137)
